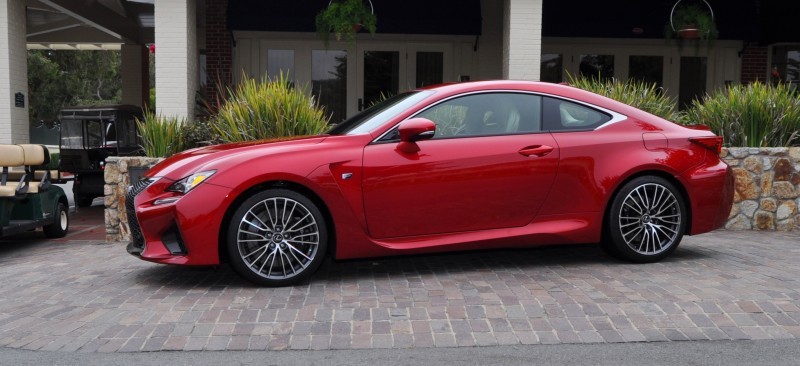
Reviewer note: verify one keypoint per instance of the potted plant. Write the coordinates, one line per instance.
(692, 22)
(345, 18)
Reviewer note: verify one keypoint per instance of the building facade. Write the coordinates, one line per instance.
(204, 45)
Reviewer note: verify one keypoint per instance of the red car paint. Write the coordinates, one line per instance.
(513, 190)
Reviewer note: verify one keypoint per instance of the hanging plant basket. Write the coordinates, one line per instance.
(344, 19)
(689, 33)
(692, 21)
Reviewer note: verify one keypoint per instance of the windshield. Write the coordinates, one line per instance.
(71, 134)
(88, 134)
(378, 114)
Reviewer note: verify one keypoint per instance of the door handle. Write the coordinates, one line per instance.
(538, 150)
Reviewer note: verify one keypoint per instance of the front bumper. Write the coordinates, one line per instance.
(184, 231)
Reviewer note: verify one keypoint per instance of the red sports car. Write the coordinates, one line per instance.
(474, 165)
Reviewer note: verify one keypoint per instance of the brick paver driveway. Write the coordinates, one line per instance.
(86, 295)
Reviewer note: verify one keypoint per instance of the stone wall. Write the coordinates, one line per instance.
(117, 182)
(767, 193)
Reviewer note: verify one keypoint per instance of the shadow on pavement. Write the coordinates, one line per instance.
(537, 260)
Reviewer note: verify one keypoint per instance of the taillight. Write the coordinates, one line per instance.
(713, 143)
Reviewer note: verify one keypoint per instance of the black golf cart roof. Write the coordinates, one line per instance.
(97, 112)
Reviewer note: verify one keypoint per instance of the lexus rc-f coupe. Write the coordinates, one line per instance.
(476, 165)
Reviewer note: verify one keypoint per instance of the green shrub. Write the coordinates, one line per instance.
(152, 104)
(645, 96)
(199, 133)
(753, 115)
(161, 136)
(55, 159)
(257, 110)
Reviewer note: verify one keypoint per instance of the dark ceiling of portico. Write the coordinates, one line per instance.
(763, 21)
(408, 16)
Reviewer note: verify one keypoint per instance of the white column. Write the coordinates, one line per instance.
(13, 73)
(522, 39)
(134, 72)
(176, 57)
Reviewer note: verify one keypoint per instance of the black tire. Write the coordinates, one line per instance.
(269, 252)
(646, 221)
(83, 201)
(59, 227)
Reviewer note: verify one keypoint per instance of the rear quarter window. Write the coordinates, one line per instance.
(564, 115)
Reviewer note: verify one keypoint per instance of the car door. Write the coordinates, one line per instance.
(489, 166)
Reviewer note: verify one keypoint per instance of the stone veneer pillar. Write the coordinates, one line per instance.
(117, 180)
(767, 188)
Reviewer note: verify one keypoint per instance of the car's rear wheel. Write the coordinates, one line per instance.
(60, 225)
(277, 237)
(647, 220)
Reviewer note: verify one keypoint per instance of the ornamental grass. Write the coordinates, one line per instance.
(267, 109)
(645, 96)
(753, 115)
(161, 136)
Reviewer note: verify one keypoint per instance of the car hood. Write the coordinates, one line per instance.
(190, 161)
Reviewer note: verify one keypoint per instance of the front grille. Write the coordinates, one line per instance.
(137, 238)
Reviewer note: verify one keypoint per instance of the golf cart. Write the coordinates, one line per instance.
(88, 136)
(28, 199)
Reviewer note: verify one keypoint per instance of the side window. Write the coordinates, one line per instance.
(563, 115)
(94, 134)
(111, 133)
(486, 114)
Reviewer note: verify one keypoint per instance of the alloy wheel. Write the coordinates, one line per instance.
(278, 238)
(650, 219)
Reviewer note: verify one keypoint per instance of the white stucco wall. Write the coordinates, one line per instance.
(13, 72)
(176, 57)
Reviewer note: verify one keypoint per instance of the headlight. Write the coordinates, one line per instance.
(184, 185)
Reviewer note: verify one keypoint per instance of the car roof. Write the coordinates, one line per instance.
(563, 90)
(560, 90)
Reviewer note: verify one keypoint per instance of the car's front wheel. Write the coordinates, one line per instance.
(277, 237)
(647, 220)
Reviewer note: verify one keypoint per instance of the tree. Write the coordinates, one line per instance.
(58, 79)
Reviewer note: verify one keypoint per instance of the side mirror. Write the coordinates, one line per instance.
(416, 129)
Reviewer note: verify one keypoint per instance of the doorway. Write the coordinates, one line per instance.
(386, 70)
(692, 80)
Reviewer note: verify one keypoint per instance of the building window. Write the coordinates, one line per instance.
(381, 76)
(692, 80)
(552, 66)
(280, 61)
(786, 65)
(430, 68)
(597, 66)
(648, 69)
(329, 82)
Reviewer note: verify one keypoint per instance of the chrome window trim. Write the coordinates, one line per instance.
(615, 116)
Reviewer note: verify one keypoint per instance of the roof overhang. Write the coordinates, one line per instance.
(88, 24)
